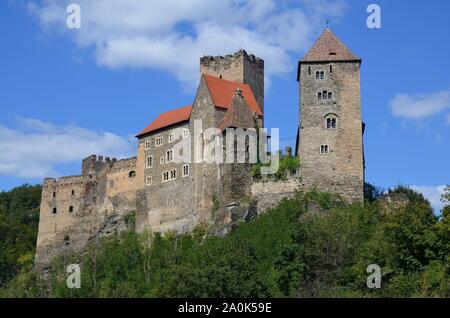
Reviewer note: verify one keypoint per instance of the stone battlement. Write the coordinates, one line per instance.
(209, 60)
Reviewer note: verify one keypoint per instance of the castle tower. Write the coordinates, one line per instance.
(330, 143)
(239, 67)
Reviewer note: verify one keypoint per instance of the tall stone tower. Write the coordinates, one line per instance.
(239, 67)
(330, 143)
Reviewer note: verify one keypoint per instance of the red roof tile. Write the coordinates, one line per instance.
(222, 92)
(329, 48)
(166, 119)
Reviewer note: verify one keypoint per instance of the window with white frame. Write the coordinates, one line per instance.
(159, 141)
(169, 155)
(161, 160)
(149, 163)
(147, 144)
(186, 171)
(148, 181)
(172, 137)
(173, 174)
(185, 133)
(169, 175)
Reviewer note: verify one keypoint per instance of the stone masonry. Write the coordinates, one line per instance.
(166, 194)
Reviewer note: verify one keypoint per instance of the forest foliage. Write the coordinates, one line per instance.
(290, 251)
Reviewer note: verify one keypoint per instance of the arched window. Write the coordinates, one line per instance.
(322, 75)
(169, 155)
(324, 149)
(186, 171)
(55, 210)
(132, 174)
(317, 75)
(148, 181)
(331, 121)
(149, 162)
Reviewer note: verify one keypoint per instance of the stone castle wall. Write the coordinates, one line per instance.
(75, 210)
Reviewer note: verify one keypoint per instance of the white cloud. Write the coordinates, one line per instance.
(420, 106)
(36, 148)
(433, 194)
(171, 35)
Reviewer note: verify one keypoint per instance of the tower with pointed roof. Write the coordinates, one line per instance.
(330, 136)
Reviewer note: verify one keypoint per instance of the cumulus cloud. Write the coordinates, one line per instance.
(420, 106)
(171, 35)
(433, 194)
(35, 148)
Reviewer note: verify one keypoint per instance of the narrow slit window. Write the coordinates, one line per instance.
(319, 96)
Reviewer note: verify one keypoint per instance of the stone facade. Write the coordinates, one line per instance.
(167, 194)
(331, 129)
(75, 210)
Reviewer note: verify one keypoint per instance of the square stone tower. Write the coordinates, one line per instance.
(330, 143)
(238, 67)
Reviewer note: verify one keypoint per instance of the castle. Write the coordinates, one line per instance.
(163, 194)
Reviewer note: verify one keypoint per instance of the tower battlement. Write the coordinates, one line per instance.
(238, 67)
(94, 164)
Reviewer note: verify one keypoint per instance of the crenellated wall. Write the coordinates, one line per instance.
(75, 210)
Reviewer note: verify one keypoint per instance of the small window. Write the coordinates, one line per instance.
(165, 176)
(173, 174)
(322, 75)
(148, 144)
(324, 149)
(66, 239)
(148, 181)
(70, 209)
(54, 194)
(309, 70)
(331, 123)
(161, 160)
(169, 156)
(319, 96)
(185, 133)
(55, 210)
(132, 174)
(186, 171)
(171, 137)
(159, 141)
(317, 75)
(331, 68)
(324, 95)
(73, 192)
(330, 95)
(333, 54)
(149, 163)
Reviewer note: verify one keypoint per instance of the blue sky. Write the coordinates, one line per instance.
(67, 93)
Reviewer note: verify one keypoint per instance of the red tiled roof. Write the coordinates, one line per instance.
(169, 118)
(329, 48)
(222, 92)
